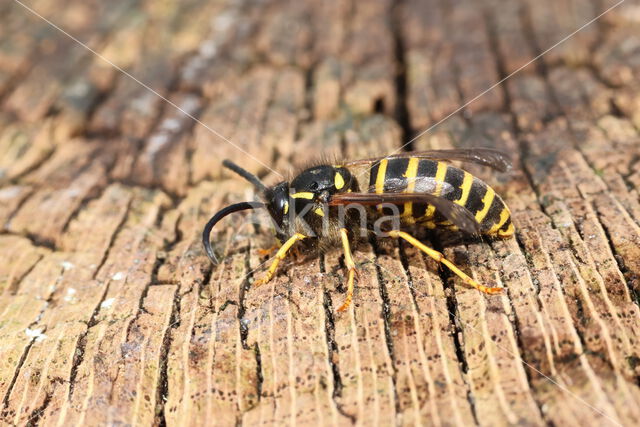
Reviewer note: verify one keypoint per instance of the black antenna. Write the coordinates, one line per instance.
(246, 175)
(206, 233)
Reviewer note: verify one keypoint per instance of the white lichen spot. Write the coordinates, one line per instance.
(107, 303)
(72, 192)
(156, 142)
(71, 292)
(67, 265)
(191, 104)
(144, 103)
(35, 334)
(9, 192)
(224, 21)
(78, 89)
(118, 276)
(208, 49)
(172, 125)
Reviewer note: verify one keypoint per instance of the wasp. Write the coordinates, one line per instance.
(410, 189)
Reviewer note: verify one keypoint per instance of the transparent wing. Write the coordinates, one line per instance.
(484, 156)
(458, 215)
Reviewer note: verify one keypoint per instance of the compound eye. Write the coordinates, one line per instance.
(313, 185)
(279, 204)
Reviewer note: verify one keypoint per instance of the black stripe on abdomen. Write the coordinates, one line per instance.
(372, 177)
(394, 180)
(454, 178)
(474, 202)
(493, 216)
(426, 169)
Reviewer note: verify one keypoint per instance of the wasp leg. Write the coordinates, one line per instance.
(348, 260)
(282, 252)
(268, 251)
(441, 259)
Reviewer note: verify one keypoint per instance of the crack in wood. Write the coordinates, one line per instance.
(333, 352)
(117, 230)
(17, 179)
(162, 386)
(259, 374)
(404, 260)
(78, 354)
(627, 274)
(81, 343)
(84, 203)
(158, 263)
(544, 72)
(243, 326)
(386, 318)
(527, 368)
(15, 285)
(457, 332)
(14, 378)
(38, 413)
(397, 8)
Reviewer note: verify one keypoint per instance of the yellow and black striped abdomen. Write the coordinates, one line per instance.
(414, 175)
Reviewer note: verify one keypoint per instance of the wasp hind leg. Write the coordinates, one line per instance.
(280, 255)
(348, 261)
(441, 259)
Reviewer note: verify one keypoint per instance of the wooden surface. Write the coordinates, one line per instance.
(111, 313)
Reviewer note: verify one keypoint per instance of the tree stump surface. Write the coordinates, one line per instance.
(111, 313)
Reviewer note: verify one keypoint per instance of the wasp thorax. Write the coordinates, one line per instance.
(324, 179)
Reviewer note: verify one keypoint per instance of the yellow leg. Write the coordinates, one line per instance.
(441, 259)
(282, 252)
(348, 260)
(268, 251)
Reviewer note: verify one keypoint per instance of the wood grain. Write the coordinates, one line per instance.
(111, 313)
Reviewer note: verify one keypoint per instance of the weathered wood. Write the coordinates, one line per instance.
(110, 311)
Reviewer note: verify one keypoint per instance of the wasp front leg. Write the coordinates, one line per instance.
(348, 261)
(280, 255)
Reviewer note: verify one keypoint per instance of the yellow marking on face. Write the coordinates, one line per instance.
(286, 208)
(319, 211)
(382, 173)
(486, 200)
(338, 181)
(302, 195)
(465, 188)
(410, 174)
(504, 216)
(441, 172)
